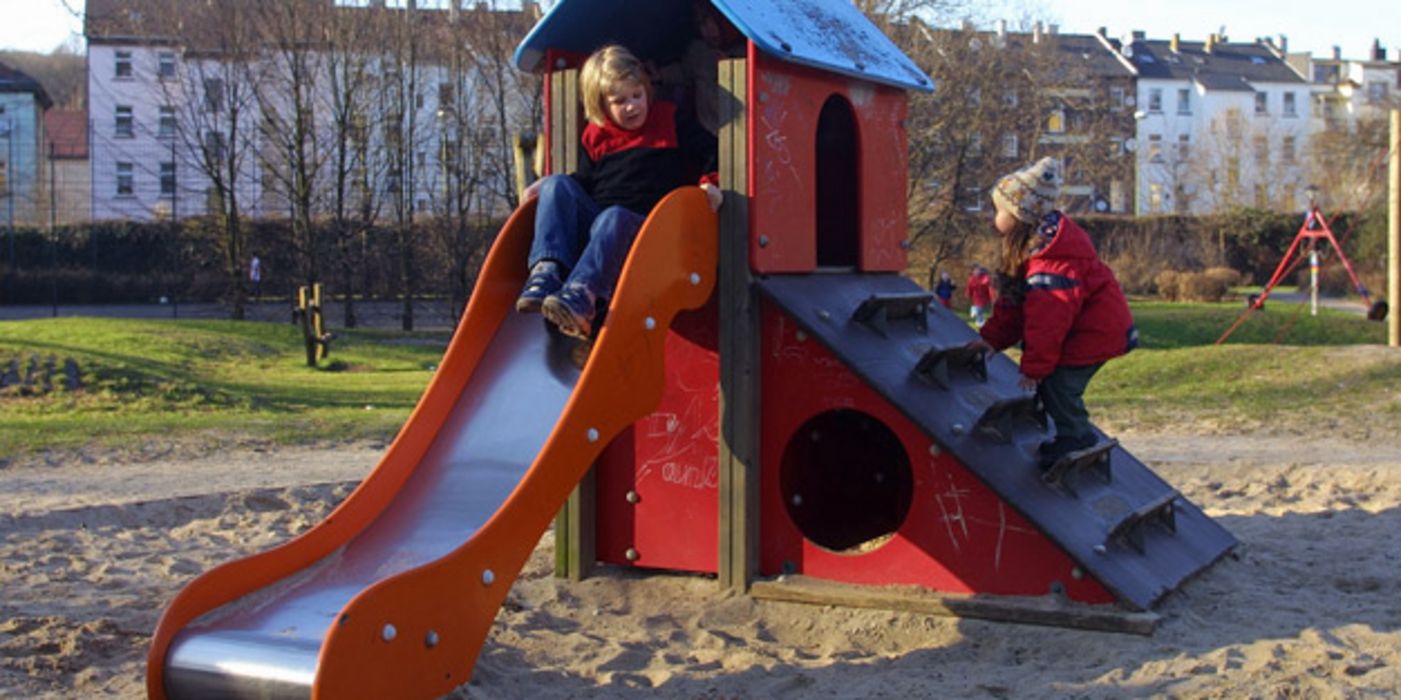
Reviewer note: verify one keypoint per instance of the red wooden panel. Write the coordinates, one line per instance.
(670, 460)
(958, 536)
(785, 101)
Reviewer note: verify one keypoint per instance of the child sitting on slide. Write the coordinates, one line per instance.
(1058, 299)
(635, 151)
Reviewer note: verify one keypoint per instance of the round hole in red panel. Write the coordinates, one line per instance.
(846, 481)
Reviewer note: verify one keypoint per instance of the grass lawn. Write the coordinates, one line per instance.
(211, 381)
(208, 380)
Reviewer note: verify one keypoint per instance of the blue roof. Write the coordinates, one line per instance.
(828, 34)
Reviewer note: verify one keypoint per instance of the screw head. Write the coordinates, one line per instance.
(632, 497)
(802, 336)
(631, 554)
(650, 323)
(388, 633)
(695, 278)
(763, 241)
(593, 435)
(488, 577)
(431, 640)
(957, 428)
(797, 499)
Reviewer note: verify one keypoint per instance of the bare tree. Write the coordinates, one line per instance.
(211, 100)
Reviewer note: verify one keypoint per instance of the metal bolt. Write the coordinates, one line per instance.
(797, 499)
(695, 278)
(824, 314)
(559, 63)
(1101, 549)
(388, 633)
(763, 241)
(933, 450)
(860, 66)
(488, 577)
(1077, 573)
(802, 336)
(957, 428)
(633, 498)
(431, 640)
(650, 323)
(786, 46)
(593, 434)
(631, 554)
(763, 97)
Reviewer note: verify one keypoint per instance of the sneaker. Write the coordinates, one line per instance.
(571, 310)
(1052, 451)
(544, 280)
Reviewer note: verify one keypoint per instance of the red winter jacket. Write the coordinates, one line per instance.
(1074, 313)
(979, 289)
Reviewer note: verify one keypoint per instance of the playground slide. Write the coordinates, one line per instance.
(393, 594)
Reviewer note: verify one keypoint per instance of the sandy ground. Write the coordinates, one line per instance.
(92, 547)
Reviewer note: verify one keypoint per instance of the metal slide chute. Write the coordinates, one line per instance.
(392, 595)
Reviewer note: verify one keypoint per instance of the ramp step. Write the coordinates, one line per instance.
(1093, 460)
(1004, 418)
(878, 310)
(941, 365)
(1132, 530)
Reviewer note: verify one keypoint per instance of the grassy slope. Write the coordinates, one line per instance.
(159, 380)
(176, 378)
(1334, 373)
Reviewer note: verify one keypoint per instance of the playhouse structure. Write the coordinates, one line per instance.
(769, 400)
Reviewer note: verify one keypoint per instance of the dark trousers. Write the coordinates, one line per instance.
(1063, 394)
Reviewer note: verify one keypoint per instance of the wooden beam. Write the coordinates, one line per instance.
(1393, 261)
(739, 342)
(1045, 610)
(575, 551)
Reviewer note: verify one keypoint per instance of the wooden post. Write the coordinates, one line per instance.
(575, 552)
(1393, 248)
(739, 343)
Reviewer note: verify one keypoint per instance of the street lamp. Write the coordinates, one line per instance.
(1312, 192)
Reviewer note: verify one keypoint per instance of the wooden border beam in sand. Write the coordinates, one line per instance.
(1044, 610)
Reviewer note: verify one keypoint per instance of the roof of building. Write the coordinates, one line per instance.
(1226, 67)
(831, 35)
(12, 80)
(67, 132)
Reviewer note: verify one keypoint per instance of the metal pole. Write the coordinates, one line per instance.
(1393, 260)
(1313, 282)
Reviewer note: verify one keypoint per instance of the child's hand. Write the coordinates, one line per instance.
(1027, 383)
(979, 344)
(713, 195)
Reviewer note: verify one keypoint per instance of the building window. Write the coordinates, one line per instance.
(1262, 103)
(123, 67)
(167, 122)
(1262, 196)
(165, 67)
(1155, 99)
(1184, 101)
(1009, 146)
(124, 180)
(1155, 148)
(1116, 98)
(168, 179)
(125, 125)
(213, 94)
(1290, 109)
(214, 146)
(1376, 91)
(1262, 151)
(1288, 149)
(1055, 123)
(1184, 147)
(1155, 197)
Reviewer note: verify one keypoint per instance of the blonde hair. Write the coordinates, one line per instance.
(605, 68)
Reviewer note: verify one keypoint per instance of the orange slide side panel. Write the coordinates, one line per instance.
(503, 274)
(452, 601)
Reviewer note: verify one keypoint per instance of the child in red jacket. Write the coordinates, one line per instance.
(635, 151)
(1058, 299)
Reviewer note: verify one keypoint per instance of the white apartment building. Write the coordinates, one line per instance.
(162, 114)
(1347, 90)
(1220, 125)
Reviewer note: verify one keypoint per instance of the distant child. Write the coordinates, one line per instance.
(979, 295)
(255, 275)
(1058, 299)
(944, 290)
(636, 150)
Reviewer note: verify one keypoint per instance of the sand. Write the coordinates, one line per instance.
(93, 546)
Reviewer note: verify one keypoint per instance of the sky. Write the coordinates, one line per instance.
(42, 25)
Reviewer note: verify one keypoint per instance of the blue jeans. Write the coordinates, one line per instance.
(572, 230)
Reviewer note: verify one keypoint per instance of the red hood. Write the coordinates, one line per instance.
(1070, 242)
